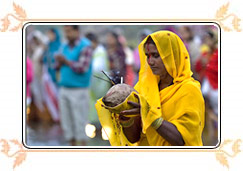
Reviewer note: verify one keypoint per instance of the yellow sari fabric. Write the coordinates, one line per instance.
(109, 120)
(181, 103)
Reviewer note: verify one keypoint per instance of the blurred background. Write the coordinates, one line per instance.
(114, 50)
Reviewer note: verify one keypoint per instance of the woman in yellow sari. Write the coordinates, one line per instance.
(170, 103)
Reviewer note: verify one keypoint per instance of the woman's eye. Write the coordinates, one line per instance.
(155, 55)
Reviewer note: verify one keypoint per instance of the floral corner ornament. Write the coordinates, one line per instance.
(19, 15)
(19, 155)
(222, 17)
(222, 155)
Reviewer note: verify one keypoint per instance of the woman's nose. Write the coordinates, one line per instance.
(150, 61)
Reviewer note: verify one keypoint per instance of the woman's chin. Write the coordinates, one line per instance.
(155, 72)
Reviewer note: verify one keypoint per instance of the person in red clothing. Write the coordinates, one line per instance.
(212, 70)
(207, 69)
(207, 56)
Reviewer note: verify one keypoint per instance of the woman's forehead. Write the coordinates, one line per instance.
(150, 48)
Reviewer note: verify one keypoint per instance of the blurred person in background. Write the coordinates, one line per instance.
(210, 82)
(207, 67)
(208, 50)
(29, 78)
(74, 61)
(207, 64)
(129, 61)
(53, 46)
(37, 48)
(116, 56)
(141, 35)
(191, 43)
(29, 40)
(99, 62)
(49, 73)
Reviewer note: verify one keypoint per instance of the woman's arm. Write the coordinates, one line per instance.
(169, 132)
(133, 129)
(132, 132)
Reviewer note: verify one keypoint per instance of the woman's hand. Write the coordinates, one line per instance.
(134, 110)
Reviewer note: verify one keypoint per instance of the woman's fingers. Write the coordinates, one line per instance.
(137, 97)
(135, 110)
(130, 111)
(134, 104)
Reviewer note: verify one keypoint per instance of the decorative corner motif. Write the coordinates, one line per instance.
(222, 17)
(19, 15)
(19, 155)
(222, 155)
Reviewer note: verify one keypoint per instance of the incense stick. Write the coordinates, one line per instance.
(112, 82)
(101, 78)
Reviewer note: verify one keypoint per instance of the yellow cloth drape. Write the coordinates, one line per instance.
(109, 119)
(181, 103)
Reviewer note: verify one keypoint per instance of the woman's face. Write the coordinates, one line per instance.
(185, 33)
(51, 35)
(209, 41)
(154, 60)
(110, 39)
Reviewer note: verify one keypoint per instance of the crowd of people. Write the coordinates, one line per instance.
(61, 63)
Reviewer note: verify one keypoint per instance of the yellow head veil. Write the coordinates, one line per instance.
(173, 54)
(177, 63)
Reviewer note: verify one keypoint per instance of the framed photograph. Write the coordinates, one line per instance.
(122, 85)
